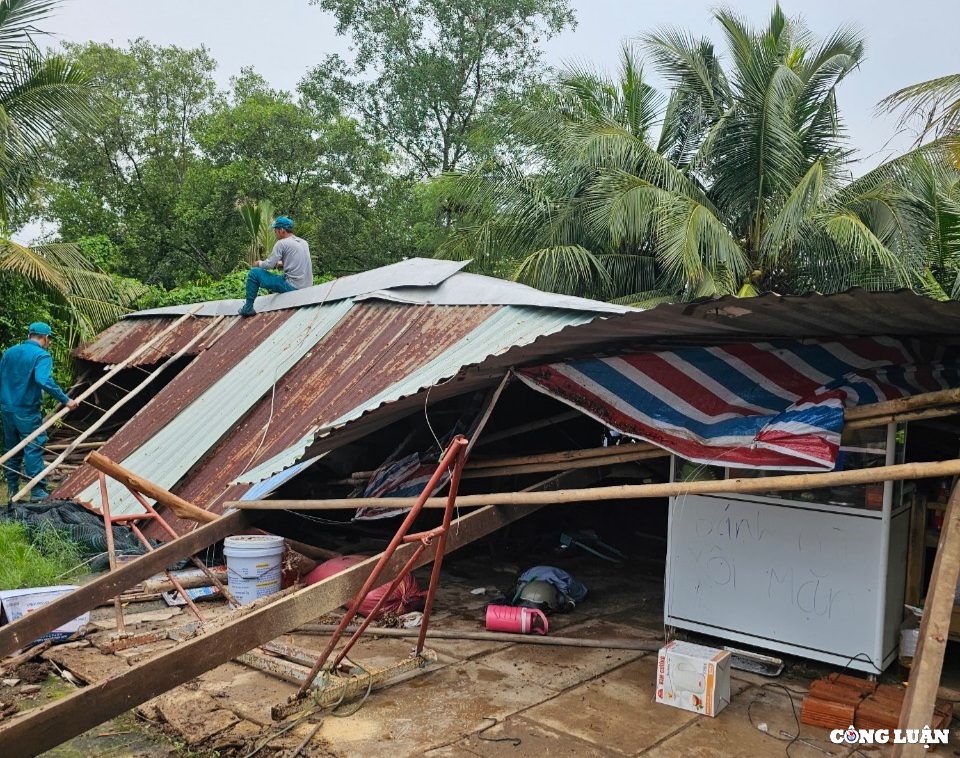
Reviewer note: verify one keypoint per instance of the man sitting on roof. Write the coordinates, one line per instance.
(290, 254)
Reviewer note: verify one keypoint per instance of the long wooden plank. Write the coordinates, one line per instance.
(873, 410)
(164, 497)
(633, 491)
(30, 627)
(43, 728)
(921, 696)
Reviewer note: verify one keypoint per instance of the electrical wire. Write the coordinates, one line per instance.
(793, 708)
(515, 741)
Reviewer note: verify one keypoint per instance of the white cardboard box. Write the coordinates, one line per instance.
(17, 603)
(693, 677)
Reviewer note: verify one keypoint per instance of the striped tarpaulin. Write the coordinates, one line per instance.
(776, 405)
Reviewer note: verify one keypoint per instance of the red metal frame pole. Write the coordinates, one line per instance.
(441, 547)
(196, 561)
(455, 450)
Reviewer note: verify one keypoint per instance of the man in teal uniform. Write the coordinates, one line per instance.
(26, 370)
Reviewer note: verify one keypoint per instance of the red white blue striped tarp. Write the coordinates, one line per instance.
(775, 405)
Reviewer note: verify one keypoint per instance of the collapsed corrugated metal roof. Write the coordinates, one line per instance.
(251, 403)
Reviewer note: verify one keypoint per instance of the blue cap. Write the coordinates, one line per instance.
(282, 222)
(40, 328)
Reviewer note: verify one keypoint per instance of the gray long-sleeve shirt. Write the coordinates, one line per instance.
(294, 253)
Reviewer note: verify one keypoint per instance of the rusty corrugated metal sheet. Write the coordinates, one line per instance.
(118, 341)
(192, 382)
(379, 342)
(174, 450)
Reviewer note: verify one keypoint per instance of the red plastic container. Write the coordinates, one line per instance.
(507, 618)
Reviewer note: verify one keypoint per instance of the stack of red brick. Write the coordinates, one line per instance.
(839, 700)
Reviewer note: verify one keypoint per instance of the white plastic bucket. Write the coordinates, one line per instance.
(253, 565)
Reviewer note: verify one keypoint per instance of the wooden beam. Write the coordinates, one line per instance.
(917, 711)
(916, 547)
(563, 456)
(477, 430)
(899, 418)
(627, 454)
(28, 628)
(632, 491)
(164, 497)
(532, 426)
(40, 729)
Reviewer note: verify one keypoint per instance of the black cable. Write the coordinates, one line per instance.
(793, 707)
(515, 741)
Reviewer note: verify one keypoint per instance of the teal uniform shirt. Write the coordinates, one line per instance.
(25, 371)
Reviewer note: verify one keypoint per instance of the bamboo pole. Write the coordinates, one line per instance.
(940, 397)
(532, 426)
(927, 668)
(898, 418)
(97, 384)
(117, 406)
(75, 446)
(528, 639)
(634, 491)
(178, 505)
(485, 416)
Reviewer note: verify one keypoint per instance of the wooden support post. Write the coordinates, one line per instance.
(164, 497)
(28, 628)
(916, 547)
(632, 491)
(97, 384)
(917, 711)
(116, 407)
(485, 415)
(40, 729)
(564, 456)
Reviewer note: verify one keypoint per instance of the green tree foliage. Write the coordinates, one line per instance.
(42, 96)
(737, 182)
(161, 176)
(428, 75)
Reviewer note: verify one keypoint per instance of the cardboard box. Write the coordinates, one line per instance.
(693, 677)
(17, 603)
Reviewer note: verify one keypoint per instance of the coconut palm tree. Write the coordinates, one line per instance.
(42, 95)
(743, 188)
(257, 218)
(936, 101)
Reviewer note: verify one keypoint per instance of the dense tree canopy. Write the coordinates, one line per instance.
(162, 173)
(431, 75)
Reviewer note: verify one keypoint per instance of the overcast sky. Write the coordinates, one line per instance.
(907, 42)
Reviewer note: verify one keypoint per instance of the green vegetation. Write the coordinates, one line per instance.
(734, 180)
(45, 558)
(43, 96)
